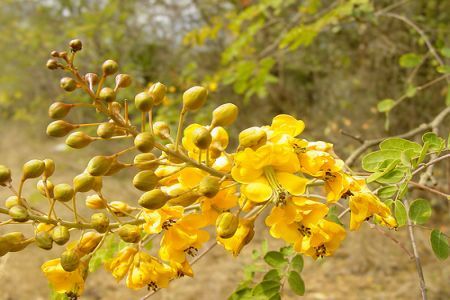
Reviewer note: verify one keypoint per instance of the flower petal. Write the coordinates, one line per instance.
(295, 185)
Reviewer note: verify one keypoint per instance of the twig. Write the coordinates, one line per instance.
(355, 137)
(429, 189)
(430, 163)
(373, 226)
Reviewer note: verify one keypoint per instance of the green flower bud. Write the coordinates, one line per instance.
(12, 201)
(88, 242)
(52, 64)
(5, 175)
(68, 84)
(60, 235)
(95, 202)
(144, 141)
(63, 192)
(49, 167)
(185, 199)
(123, 81)
(98, 184)
(59, 128)
(129, 233)
(226, 225)
(33, 168)
(145, 161)
(194, 98)
(153, 199)
(12, 242)
(99, 165)
(70, 260)
(41, 188)
(44, 240)
(59, 110)
(78, 140)
(202, 138)
(224, 115)
(145, 180)
(100, 222)
(18, 213)
(107, 94)
(110, 67)
(161, 129)
(172, 158)
(144, 101)
(209, 186)
(116, 167)
(253, 137)
(158, 91)
(75, 45)
(106, 130)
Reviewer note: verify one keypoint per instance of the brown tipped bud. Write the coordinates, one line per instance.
(185, 199)
(129, 233)
(107, 94)
(224, 115)
(59, 128)
(202, 138)
(83, 183)
(120, 208)
(59, 110)
(194, 98)
(110, 67)
(145, 161)
(144, 101)
(70, 260)
(106, 130)
(123, 81)
(153, 199)
(144, 141)
(5, 175)
(75, 45)
(78, 140)
(91, 78)
(52, 64)
(18, 213)
(253, 137)
(68, 84)
(60, 235)
(12, 201)
(88, 242)
(100, 222)
(42, 190)
(54, 53)
(209, 186)
(33, 168)
(63, 192)
(161, 129)
(226, 225)
(95, 202)
(145, 180)
(99, 165)
(158, 91)
(44, 240)
(49, 167)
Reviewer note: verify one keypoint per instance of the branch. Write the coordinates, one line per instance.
(429, 189)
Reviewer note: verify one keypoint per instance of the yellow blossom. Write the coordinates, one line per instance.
(283, 127)
(319, 163)
(120, 265)
(62, 281)
(243, 235)
(364, 205)
(157, 220)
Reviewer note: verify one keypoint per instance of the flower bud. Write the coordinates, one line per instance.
(185, 199)
(202, 138)
(253, 137)
(144, 141)
(153, 199)
(5, 175)
(60, 235)
(116, 167)
(88, 242)
(158, 91)
(12, 242)
(109, 67)
(52, 64)
(75, 45)
(91, 78)
(106, 130)
(78, 140)
(33, 168)
(226, 225)
(63, 192)
(68, 84)
(99, 165)
(63, 54)
(98, 184)
(18, 213)
(116, 107)
(145, 180)
(70, 260)
(129, 233)
(120, 208)
(209, 186)
(100, 222)
(83, 183)
(54, 53)
(41, 188)
(194, 98)
(123, 81)
(224, 115)
(95, 202)
(170, 157)
(107, 94)
(144, 101)
(44, 240)
(59, 110)
(12, 201)
(145, 161)
(59, 128)
(161, 129)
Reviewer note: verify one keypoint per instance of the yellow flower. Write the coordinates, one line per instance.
(364, 205)
(218, 144)
(319, 163)
(157, 220)
(283, 127)
(243, 235)
(146, 270)
(62, 281)
(225, 199)
(120, 265)
(336, 185)
(268, 172)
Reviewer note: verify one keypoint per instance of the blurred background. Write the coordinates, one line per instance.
(331, 63)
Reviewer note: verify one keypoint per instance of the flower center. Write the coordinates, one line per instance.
(305, 231)
(321, 251)
(191, 251)
(279, 194)
(168, 223)
(152, 286)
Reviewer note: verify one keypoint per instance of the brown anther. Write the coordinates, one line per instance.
(152, 286)
(191, 251)
(71, 295)
(168, 223)
(306, 231)
(321, 251)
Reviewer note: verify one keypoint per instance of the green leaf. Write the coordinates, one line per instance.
(296, 283)
(443, 69)
(272, 275)
(439, 243)
(409, 60)
(287, 250)
(267, 288)
(106, 252)
(420, 211)
(393, 176)
(445, 52)
(275, 259)
(387, 192)
(423, 153)
(377, 160)
(436, 143)
(58, 296)
(400, 213)
(385, 105)
(297, 263)
(244, 293)
(264, 246)
(378, 175)
(411, 91)
(399, 144)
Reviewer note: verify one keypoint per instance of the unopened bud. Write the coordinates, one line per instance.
(63, 192)
(209, 186)
(100, 222)
(153, 199)
(54, 53)
(145, 180)
(83, 183)
(91, 78)
(185, 199)
(43, 190)
(59, 110)
(202, 138)
(107, 94)
(144, 141)
(33, 168)
(171, 157)
(59, 128)
(52, 64)
(123, 81)
(5, 175)
(109, 67)
(60, 235)
(120, 208)
(116, 167)
(194, 98)
(68, 84)
(158, 91)
(226, 225)
(49, 167)
(89, 242)
(161, 129)
(18, 213)
(129, 233)
(224, 115)
(106, 130)
(44, 240)
(95, 202)
(99, 165)
(144, 101)
(12, 201)
(78, 140)
(145, 161)
(253, 137)
(70, 260)
(75, 45)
